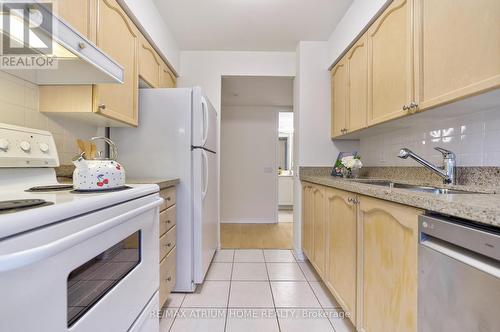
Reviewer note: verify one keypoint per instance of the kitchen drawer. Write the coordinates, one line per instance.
(167, 276)
(167, 243)
(169, 196)
(167, 220)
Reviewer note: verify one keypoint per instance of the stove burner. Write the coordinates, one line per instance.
(21, 204)
(56, 187)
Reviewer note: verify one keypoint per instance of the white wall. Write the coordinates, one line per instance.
(248, 152)
(312, 107)
(19, 106)
(206, 68)
(474, 138)
(151, 21)
(357, 17)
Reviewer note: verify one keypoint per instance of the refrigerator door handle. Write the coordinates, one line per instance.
(205, 175)
(204, 106)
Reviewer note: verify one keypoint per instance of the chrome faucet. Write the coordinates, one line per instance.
(447, 172)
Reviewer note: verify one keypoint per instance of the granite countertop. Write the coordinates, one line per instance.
(483, 208)
(162, 183)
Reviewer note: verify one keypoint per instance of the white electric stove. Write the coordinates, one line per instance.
(72, 261)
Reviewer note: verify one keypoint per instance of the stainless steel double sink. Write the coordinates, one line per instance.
(426, 189)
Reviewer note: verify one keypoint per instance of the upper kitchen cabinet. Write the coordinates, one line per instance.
(390, 68)
(388, 264)
(80, 15)
(357, 93)
(167, 77)
(339, 99)
(118, 36)
(150, 65)
(460, 58)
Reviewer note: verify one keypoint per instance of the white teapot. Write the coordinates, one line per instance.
(99, 173)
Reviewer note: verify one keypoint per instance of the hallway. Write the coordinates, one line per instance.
(253, 236)
(256, 290)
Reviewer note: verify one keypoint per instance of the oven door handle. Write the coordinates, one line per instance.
(23, 258)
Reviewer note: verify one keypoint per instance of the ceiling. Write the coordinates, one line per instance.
(250, 25)
(257, 91)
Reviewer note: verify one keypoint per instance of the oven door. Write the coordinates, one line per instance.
(96, 272)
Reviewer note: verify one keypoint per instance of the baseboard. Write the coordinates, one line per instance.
(249, 221)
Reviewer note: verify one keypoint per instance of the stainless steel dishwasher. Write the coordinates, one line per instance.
(459, 276)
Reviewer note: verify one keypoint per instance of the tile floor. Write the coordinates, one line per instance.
(256, 290)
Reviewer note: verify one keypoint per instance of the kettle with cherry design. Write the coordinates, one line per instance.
(99, 173)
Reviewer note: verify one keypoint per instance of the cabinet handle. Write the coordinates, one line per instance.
(101, 107)
(413, 107)
(169, 279)
(168, 221)
(168, 198)
(353, 200)
(81, 45)
(168, 244)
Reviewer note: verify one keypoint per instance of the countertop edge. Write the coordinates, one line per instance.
(162, 183)
(466, 206)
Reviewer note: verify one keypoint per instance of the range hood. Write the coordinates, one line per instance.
(72, 59)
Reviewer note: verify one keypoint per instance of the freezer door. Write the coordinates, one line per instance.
(206, 221)
(205, 122)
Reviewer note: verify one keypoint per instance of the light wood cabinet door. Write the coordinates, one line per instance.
(341, 276)
(80, 14)
(307, 220)
(458, 49)
(149, 64)
(339, 99)
(167, 78)
(357, 92)
(388, 247)
(390, 63)
(319, 229)
(118, 37)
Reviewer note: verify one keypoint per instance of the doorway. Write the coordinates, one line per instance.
(255, 154)
(285, 167)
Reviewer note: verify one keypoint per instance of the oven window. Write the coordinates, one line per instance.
(88, 283)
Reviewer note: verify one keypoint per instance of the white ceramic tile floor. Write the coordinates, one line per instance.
(219, 271)
(250, 300)
(250, 294)
(250, 271)
(249, 256)
(309, 271)
(323, 295)
(224, 256)
(285, 272)
(212, 294)
(279, 256)
(294, 294)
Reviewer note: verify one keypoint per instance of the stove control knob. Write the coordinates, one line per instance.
(44, 147)
(4, 144)
(25, 146)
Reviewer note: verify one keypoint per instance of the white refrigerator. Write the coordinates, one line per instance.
(177, 138)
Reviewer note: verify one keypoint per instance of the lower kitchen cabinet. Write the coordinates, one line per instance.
(313, 226)
(365, 250)
(388, 270)
(167, 243)
(307, 220)
(342, 248)
(319, 229)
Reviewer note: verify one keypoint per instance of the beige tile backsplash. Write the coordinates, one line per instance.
(19, 106)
